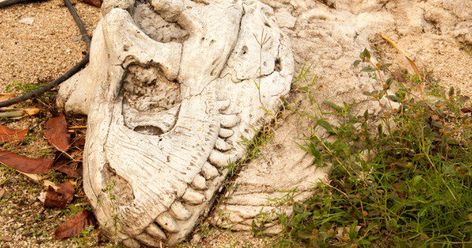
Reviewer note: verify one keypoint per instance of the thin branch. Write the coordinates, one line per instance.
(80, 24)
(65, 76)
(8, 3)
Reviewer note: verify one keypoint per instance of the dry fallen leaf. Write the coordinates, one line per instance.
(75, 225)
(95, 3)
(11, 135)
(25, 164)
(31, 111)
(61, 197)
(55, 131)
(34, 177)
(6, 96)
(70, 170)
(466, 110)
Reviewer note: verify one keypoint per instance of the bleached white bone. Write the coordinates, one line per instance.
(172, 90)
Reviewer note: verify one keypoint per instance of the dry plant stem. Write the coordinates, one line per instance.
(412, 63)
(65, 76)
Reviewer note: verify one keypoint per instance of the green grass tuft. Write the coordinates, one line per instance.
(22, 88)
(407, 182)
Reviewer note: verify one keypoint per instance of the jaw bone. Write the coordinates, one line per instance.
(172, 90)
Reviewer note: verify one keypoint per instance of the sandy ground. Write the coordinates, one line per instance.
(40, 51)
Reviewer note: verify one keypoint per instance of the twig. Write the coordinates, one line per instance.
(80, 24)
(7, 3)
(49, 86)
(66, 75)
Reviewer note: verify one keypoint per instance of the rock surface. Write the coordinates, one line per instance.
(328, 37)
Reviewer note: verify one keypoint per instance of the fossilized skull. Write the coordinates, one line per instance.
(172, 91)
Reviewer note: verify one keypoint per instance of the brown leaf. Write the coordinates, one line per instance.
(55, 131)
(11, 135)
(75, 225)
(31, 111)
(95, 3)
(466, 110)
(70, 170)
(25, 164)
(61, 197)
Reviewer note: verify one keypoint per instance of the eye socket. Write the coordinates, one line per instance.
(146, 89)
(151, 102)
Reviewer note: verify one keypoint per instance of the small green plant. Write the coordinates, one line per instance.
(85, 239)
(253, 148)
(402, 179)
(22, 88)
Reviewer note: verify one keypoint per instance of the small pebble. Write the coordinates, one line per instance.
(26, 20)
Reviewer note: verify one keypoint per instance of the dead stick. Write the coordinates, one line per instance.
(7, 3)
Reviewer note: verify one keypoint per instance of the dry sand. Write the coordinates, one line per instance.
(42, 51)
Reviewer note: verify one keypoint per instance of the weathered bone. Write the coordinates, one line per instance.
(172, 90)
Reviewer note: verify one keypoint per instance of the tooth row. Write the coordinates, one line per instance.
(156, 232)
(199, 183)
(131, 243)
(180, 211)
(220, 159)
(222, 145)
(229, 121)
(209, 171)
(193, 197)
(168, 223)
(225, 133)
(148, 240)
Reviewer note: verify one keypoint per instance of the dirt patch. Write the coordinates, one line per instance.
(40, 41)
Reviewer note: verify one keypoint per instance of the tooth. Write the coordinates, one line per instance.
(223, 105)
(209, 171)
(180, 211)
(219, 159)
(222, 145)
(131, 243)
(167, 222)
(148, 240)
(230, 121)
(193, 197)
(226, 133)
(156, 232)
(199, 182)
